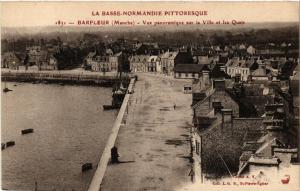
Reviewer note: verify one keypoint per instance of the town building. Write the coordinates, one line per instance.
(188, 71)
(138, 63)
(251, 50)
(168, 62)
(11, 61)
(274, 149)
(240, 67)
(260, 73)
(153, 64)
(106, 62)
(218, 133)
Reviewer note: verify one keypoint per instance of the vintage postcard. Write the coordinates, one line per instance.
(150, 96)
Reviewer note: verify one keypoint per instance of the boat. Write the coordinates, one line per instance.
(86, 167)
(10, 143)
(26, 131)
(118, 94)
(3, 145)
(6, 89)
(117, 99)
(110, 107)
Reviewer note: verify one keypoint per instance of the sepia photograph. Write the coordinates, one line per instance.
(150, 96)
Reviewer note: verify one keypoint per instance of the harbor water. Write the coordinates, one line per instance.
(70, 129)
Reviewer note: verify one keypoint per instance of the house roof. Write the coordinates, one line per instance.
(109, 51)
(91, 54)
(139, 58)
(252, 135)
(189, 68)
(169, 55)
(245, 156)
(10, 55)
(236, 62)
(118, 54)
(259, 72)
(251, 146)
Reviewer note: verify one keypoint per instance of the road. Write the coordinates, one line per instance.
(154, 143)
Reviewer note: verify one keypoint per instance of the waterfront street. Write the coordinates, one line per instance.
(154, 142)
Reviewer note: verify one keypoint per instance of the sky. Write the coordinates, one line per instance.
(25, 14)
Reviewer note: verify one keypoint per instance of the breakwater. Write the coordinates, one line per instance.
(102, 165)
(63, 77)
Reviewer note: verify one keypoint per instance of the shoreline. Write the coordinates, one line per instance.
(96, 182)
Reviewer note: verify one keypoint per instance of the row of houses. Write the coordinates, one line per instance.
(164, 63)
(35, 58)
(183, 65)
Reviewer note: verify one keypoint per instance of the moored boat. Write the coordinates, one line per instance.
(6, 90)
(110, 107)
(3, 145)
(26, 131)
(86, 167)
(10, 143)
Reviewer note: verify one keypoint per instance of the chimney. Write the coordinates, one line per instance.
(226, 116)
(219, 85)
(205, 77)
(274, 121)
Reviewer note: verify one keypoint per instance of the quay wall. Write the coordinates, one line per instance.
(62, 77)
(95, 184)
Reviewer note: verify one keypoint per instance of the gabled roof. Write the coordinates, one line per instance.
(240, 63)
(245, 156)
(139, 58)
(251, 146)
(169, 55)
(109, 51)
(118, 54)
(91, 54)
(189, 68)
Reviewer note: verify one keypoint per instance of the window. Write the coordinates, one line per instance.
(193, 74)
(197, 148)
(217, 106)
(186, 75)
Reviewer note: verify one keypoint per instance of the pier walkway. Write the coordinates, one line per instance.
(154, 143)
(62, 76)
